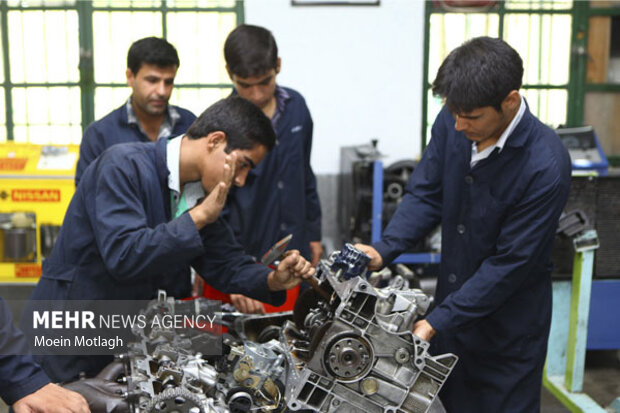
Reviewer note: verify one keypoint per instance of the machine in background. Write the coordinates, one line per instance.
(585, 150)
(37, 183)
(367, 190)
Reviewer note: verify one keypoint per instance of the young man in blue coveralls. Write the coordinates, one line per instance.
(152, 64)
(144, 212)
(280, 196)
(22, 382)
(497, 180)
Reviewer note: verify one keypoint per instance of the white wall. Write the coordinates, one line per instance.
(359, 68)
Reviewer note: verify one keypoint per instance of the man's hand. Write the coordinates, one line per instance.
(52, 399)
(210, 208)
(317, 251)
(424, 330)
(376, 261)
(199, 286)
(290, 272)
(246, 304)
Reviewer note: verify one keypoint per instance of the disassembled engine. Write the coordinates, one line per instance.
(347, 348)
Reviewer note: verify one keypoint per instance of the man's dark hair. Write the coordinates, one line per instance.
(244, 124)
(481, 72)
(250, 51)
(153, 51)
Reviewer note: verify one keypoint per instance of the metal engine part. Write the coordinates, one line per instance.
(351, 352)
(362, 354)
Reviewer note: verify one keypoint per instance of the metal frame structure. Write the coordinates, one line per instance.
(569, 338)
(377, 212)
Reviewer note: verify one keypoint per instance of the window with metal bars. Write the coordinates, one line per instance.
(539, 30)
(63, 61)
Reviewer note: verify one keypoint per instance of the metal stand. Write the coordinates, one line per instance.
(566, 351)
(377, 213)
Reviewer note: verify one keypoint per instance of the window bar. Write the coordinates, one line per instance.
(164, 17)
(7, 71)
(86, 64)
(530, 17)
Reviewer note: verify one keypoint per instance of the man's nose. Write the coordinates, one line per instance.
(162, 88)
(241, 177)
(256, 93)
(459, 123)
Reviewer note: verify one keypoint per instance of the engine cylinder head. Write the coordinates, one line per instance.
(351, 261)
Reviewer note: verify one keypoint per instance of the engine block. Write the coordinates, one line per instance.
(347, 347)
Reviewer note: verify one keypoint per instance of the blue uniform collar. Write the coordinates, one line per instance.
(518, 136)
(171, 117)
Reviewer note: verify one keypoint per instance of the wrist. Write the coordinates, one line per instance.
(198, 217)
(272, 283)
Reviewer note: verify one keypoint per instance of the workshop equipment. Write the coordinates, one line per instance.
(273, 256)
(377, 223)
(568, 338)
(37, 184)
(368, 195)
(585, 150)
(352, 353)
(564, 369)
(355, 191)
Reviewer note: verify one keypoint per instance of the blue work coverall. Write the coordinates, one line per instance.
(493, 301)
(118, 242)
(280, 195)
(19, 375)
(114, 128)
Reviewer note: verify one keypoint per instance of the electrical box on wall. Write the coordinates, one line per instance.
(36, 186)
(585, 150)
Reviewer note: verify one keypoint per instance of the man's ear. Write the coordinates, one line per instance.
(230, 75)
(130, 77)
(215, 139)
(511, 102)
(278, 65)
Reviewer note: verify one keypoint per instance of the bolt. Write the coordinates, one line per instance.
(369, 386)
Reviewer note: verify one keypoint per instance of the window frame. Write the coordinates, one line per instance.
(86, 82)
(499, 8)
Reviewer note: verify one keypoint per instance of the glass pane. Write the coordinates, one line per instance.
(111, 43)
(197, 100)
(2, 56)
(109, 98)
(127, 3)
(200, 3)
(201, 61)
(602, 110)
(39, 3)
(603, 63)
(44, 46)
(47, 115)
(548, 105)
(2, 117)
(434, 106)
(539, 4)
(450, 30)
(48, 134)
(544, 45)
